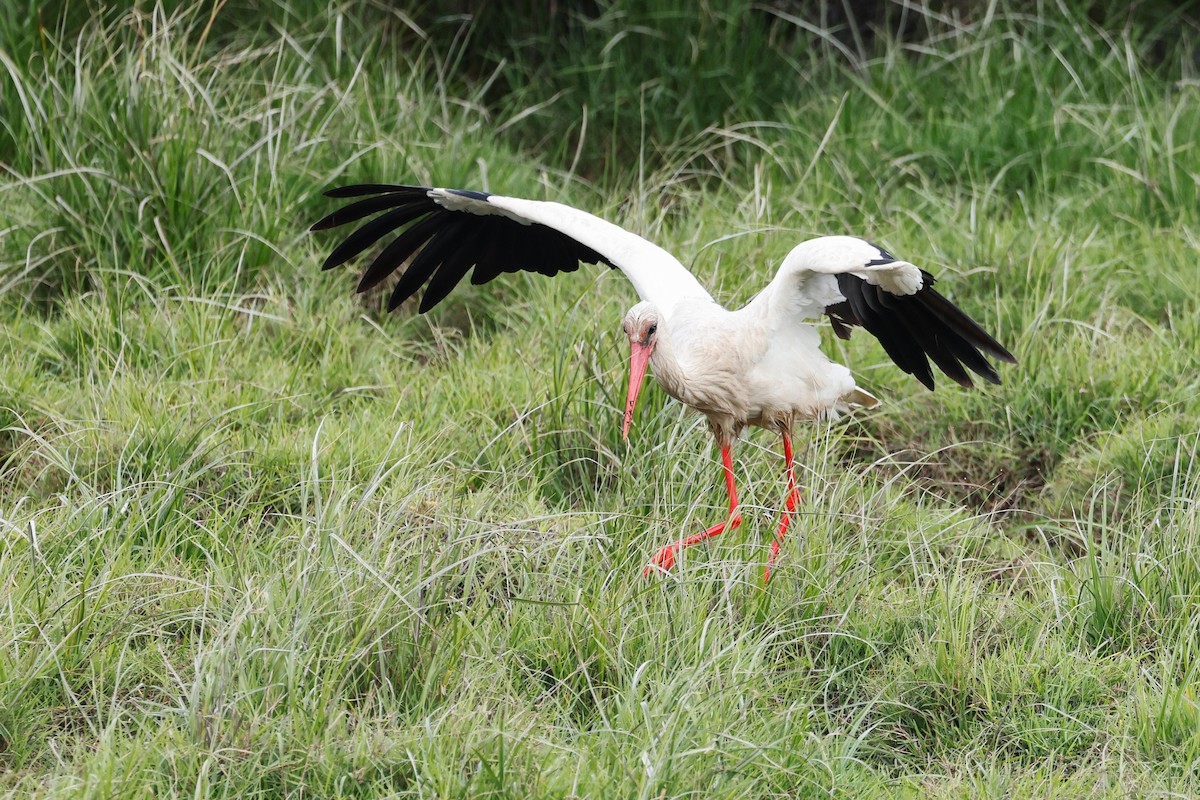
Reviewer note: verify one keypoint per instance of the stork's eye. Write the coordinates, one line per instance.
(652, 329)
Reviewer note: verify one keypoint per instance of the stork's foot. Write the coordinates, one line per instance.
(664, 559)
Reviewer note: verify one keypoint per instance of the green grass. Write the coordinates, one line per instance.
(260, 539)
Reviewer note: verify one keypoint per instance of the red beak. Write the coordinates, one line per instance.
(639, 358)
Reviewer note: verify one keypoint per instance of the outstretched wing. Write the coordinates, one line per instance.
(445, 233)
(856, 283)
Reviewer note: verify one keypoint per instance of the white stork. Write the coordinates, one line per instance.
(759, 365)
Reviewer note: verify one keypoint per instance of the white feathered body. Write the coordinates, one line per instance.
(749, 367)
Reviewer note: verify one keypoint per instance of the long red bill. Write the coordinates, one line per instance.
(639, 358)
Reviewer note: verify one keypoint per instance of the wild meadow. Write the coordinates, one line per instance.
(261, 539)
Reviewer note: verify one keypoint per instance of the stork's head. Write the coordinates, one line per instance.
(641, 326)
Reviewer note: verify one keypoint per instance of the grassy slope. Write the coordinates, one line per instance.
(259, 539)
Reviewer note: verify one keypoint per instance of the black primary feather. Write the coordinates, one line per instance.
(440, 245)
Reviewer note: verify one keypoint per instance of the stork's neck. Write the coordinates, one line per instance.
(685, 341)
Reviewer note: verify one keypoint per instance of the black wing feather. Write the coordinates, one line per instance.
(399, 250)
(360, 189)
(448, 273)
(929, 334)
(371, 233)
(355, 211)
(485, 258)
(918, 328)
(440, 245)
(968, 328)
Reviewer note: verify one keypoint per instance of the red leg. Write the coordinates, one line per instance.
(664, 559)
(789, 508)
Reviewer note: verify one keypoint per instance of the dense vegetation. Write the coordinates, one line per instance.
(260, 539)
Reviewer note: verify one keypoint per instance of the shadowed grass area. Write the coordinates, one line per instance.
(260, 539)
